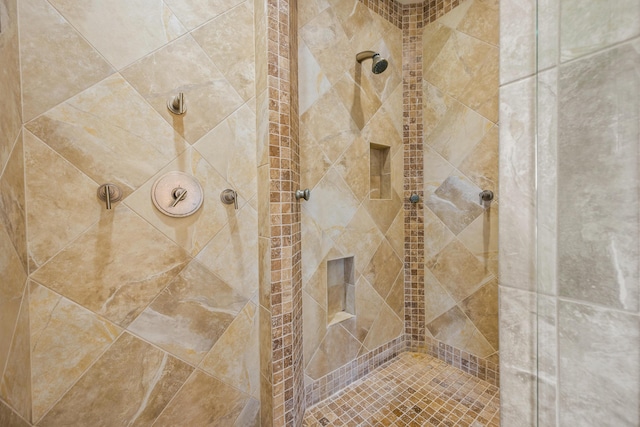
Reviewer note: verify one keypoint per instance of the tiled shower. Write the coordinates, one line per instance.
(131, 317)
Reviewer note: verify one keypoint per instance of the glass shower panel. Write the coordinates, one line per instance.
(588, 216)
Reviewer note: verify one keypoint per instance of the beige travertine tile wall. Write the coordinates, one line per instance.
(570, 320)
(460, 89)
(129, 317)
(344, 108)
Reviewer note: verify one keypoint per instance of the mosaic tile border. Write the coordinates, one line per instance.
(337, 380)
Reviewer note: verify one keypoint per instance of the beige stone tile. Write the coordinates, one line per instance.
(383, 269)
(436, 170)
(456, 202)
(13, 281)
(434, 37)
(395, 234)
(91, 132)
(204, 401)
(482, 309)
(115, 30)
(358, 96)
(65, 340)
(231, 149)
(327, 41)
(384, 211)
(15, 384)
(437, 300)
(250, 415)
(9, 418)
(435, 105)
(310, 9)
(331, 125)
(481, 93)
(235, 357)
(357, 22)
(52, 225)
(193, 13)
(455, 328)
(120, 265)
(482, 21)
(183, 66)
(458, 270)
(361, 238)
(453, 18)
(382, 131)
(141, 381)
(319, 244)
(56, 61)
(233, 252)
(481, 165)
(368, 306)
(195, 231)
(10, 84)
(458, 132)
(395, 299)
(386, 327)
(313, 162)
(518, 40)
(337, 348)
(390, 48)
(436, 234)
(481, 238)
(315, 323)
(229, 41)
(312, 83)
(12, 203)
(190, 314)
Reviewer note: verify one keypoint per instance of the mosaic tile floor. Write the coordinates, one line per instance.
(411, 390)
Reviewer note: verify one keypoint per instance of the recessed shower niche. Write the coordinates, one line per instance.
(341, 290)
(379, 171)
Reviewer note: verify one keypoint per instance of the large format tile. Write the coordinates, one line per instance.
(337, 349)
(120, 266)
(454, 328)
(123, 31)
(9, 418)
(91, 132)
(204, 401)
(598, 186)
(10, 84)
(229, 42)
(190, 315)
(55, 217)
(455, 202)
(13, 217)
(383, 269)
(56, 61)
(599, 366)
(129, 385)
(193, 13)
(183, 66)
(65, 340)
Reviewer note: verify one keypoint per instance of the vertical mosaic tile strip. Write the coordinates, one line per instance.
(412, 390)
(412, 23)
(284, 169)
(355, 370)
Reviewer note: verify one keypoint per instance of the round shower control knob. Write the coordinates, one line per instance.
(177, 194)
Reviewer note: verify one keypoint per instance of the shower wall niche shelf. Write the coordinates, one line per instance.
(380, 171)
(341, 290)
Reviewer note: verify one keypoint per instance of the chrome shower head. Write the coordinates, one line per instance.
(379, 63)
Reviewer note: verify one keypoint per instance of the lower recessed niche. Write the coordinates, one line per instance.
(379, 171)
(341, 290)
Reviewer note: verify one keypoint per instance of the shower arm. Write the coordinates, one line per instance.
(367, 54)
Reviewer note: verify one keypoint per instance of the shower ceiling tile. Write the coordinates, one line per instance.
(52, 224)
(11, 118)
(231, 149)
(122, 31)
(456, 203)
(115, 274)
(65, 340)
(235, 357)
(193, 232)
(454, 328)
(56, 61)
(203, 401)
(232, 254)
(90, 131)
(458, 270)
(183, 66)
(230, 44)
(12, 203)
(190, 314)
(136, 381)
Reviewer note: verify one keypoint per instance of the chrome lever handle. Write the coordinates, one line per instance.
(179, 194)
(229, 196)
